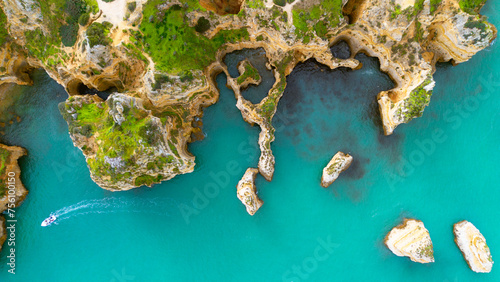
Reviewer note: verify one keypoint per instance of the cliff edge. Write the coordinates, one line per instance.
(165, 56)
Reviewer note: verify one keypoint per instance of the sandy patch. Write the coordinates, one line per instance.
(405, 3)
(113, 12)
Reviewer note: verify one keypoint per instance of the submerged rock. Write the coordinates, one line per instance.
(247, 192)
(337, 164)
(473, 246)
(411, 239)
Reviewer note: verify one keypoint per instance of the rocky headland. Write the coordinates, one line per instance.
(12, 190)
(411, 239)
(339, 163)
(473, 246)
(157, 61)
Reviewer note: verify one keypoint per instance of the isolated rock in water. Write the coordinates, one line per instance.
(247, 192)
(337, 164)
(473, 246)
(411, 239)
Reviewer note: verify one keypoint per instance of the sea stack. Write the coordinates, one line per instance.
(337, 164)
(473, 246)
(247, 192)
(411, 239)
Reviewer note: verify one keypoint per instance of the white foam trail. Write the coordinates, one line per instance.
(113, 205)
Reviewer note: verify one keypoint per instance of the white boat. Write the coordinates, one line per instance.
(49, 220)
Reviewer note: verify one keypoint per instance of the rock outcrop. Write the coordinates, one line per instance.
(339, 163)
(124, 143)
(473, 246)
(12, 190)
(247, 192)
(175, 76)
(13, 66)
(411, 239)
(248, 75)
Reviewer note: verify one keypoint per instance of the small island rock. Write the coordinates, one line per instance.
(473, 246)
(411, 239)
(337, 164)
(247, 192)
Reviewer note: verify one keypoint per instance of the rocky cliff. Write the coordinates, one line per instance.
(124, 143)
(12, 190)
(473, 246)
(411, 239)
(164, 55)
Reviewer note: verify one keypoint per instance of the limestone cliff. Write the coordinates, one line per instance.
(124, 143)
(12, 190)
(473, 246)
(339, 163)
(165, 56)
(247, 192)
(411, 239)
(13, 66)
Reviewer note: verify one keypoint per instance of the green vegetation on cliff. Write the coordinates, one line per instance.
(117, 140)
(41, 46)
(147, 180)
(174, 45)
(317, 18)
(415, 104)
(4, 33)
(254, 4)
(4, 156)
(471, 6)
(122, 132)
(479, 23)
(435, 4)
(62, 16)
(250, 71)
(97, 34)
(281, 3)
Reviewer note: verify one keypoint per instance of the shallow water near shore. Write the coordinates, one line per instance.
(440, 168)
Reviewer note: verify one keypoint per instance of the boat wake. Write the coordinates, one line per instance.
(113, 205)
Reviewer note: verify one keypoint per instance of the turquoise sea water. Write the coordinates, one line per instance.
(440, 168)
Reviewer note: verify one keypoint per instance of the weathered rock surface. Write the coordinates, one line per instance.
(13, 66)
(407, 42)
(10, 177)
(339, 163)
(473, 246)
(247, 192)
(124, 143)
(248, 74)
(411, 239)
